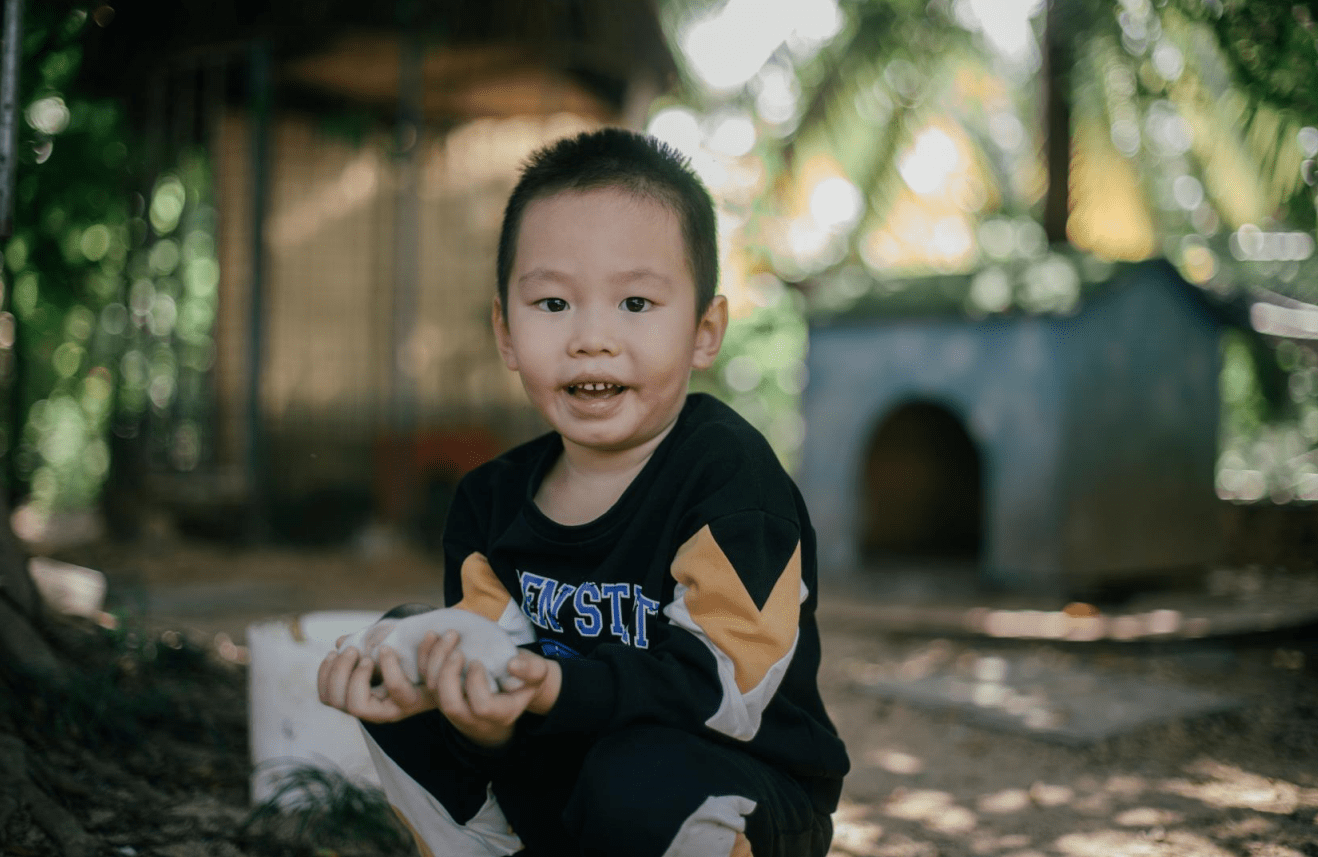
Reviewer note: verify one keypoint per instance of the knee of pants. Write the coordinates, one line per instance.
(616, 792)
(636, 789)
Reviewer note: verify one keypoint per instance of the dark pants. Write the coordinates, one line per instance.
(647, 791)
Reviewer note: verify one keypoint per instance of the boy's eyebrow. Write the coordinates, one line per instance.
(543, 274)
(553, 276)
(640, 274)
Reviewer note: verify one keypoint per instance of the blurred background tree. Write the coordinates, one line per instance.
(109, 281)
(866, 150)
(64, 270)
(62, 266)
(860, 150)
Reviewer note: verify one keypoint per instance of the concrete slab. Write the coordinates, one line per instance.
(924, 601)
(210, 598)
(1064, 705)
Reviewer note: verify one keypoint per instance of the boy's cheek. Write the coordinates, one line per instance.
(503, 339)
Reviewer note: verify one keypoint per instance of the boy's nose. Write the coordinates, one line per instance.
(592, 334)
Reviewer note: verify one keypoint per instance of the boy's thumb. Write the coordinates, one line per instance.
(524, 665)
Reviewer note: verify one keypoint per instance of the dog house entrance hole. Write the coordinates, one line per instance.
(922, 489)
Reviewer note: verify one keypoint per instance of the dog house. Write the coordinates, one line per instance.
(1057, 453)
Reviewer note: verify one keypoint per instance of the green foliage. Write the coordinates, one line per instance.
(63, 267)
(761, 370)
(1267, 50)
(113, 293)
(1269, 422)
(173, 287)
(1244, 407)
(1271, 47)
(862, 96)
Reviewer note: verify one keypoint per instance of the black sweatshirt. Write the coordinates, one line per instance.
(689, 603)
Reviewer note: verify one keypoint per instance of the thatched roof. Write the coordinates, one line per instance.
(481, 57)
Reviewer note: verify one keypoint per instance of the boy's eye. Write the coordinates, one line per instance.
(636, 304)
(552, 304)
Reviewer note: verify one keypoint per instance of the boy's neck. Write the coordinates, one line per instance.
(584, 483)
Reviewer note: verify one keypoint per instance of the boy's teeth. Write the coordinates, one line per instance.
(594, 387)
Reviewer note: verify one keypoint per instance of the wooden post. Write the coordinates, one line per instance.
(1058, 58)
(258, 480)
(400, 448)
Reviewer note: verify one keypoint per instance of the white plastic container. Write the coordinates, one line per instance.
(288, 725)
(68, 589)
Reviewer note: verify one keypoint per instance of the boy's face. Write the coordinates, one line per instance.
(601, 317)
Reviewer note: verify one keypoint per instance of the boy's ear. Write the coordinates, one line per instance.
(709, 333)
(502, 337)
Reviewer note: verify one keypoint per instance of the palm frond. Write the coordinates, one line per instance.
(1268, 49)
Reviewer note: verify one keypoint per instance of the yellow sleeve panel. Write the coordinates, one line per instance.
(754, 639)
(482, 593)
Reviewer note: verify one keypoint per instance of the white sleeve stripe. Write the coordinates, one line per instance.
(487, 834)
(739, 714)
(715, 829)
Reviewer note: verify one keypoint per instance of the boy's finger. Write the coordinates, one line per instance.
(424, 652)
(377, 710)
(440, 651)
(399, 686)
(485, 703)
(448, 687)
(478, 688)
(322, 678)
(326, 676)
(445, 643)
(340, 669)
(357, 697)
(527, 667)
(490, 706)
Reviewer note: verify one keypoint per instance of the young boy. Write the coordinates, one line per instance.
(650, 555)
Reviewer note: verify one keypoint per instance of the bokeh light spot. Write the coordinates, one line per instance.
(678, 127)
(95, 242)
(927, 165)
(835, 204)
(167, 205)
(49, 115)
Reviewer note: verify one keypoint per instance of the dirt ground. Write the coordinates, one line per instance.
(924, 782)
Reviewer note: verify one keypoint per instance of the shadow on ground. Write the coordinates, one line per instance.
(931, 776)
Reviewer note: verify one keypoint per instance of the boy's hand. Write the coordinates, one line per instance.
(344, 682)
(483, 716)
(542, 673)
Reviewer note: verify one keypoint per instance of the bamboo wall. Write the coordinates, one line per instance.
(330, 277)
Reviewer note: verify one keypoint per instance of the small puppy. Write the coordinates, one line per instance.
(403, 628)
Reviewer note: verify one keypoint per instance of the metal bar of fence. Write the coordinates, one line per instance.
(10, 59)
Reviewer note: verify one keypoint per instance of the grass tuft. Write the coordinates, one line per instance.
(326, 808)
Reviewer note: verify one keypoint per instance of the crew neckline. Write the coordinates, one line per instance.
(602, 525)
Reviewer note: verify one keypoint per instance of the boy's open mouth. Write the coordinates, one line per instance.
(594, 389)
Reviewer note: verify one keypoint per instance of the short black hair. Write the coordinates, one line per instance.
(632, 162)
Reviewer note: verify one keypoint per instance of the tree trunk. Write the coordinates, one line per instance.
(24, 645)
(26, 656)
